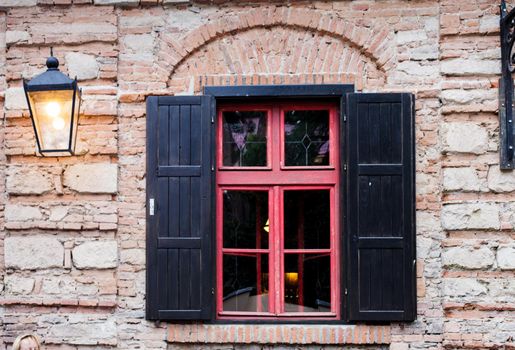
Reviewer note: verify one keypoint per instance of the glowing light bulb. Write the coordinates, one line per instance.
(58, 123)
(53, 109)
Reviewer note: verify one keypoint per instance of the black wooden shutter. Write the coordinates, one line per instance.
(179, 230)
(380, 208)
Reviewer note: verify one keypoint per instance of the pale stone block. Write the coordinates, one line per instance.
(15, 98)
(17, 3)
(96, 255)
(33, 252)
(18, 285)
(466, 216)
(464, 179)
(464, 138)
(426, 183)
(409, 36)
(415, 68)
(468, 258)
(133, 256)
(58, 213)
(500, 181)
(468, 66)
(506, 257)
(184, 20)
(82, 66)
(461, 97)
(58, 285)
(83, 329)
(16, 37)
(489, 24)
(17, 212)
(92, 178)
(424, 52)
(463, 287)
(117, 2)
(175, 2)
(423, 247)
(27, 181)
(399, 346)
(427, 222)
(139, 43)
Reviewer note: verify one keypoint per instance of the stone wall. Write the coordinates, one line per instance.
(72, 230)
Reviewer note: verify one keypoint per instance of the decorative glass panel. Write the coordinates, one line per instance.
(244, 138)
(306, 136)
(245, 219)
(245, 282)
(307, 283)
(306, 219)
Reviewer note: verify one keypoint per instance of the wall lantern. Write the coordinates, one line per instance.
(506, 100)
(54, 102)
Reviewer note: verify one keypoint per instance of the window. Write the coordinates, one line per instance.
(232, 232)
(277, 189)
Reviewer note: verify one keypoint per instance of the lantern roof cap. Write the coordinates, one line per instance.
(52, 79)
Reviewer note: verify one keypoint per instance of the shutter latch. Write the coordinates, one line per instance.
(345, 291)
(151, 207)
(345, 167)
(213, 291)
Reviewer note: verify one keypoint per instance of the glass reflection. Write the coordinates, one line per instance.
(245, 282)
(307, 283)
(244, 138)
(245, 219)
(306, 219)
(306, 138)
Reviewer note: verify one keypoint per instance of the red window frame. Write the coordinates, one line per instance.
(277, 178)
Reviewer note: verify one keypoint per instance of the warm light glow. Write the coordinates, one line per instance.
(58, 123)
(267, 226)
(291, 278)
(53, 109)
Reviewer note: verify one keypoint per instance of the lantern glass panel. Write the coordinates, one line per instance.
(52, 113)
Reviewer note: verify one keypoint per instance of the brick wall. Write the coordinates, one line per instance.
(72, 230)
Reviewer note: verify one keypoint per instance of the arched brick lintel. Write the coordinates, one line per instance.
(377, 45)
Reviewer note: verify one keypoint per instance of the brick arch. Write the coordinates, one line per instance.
(375, 44)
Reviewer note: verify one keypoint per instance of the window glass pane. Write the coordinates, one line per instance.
(244, 138)
(245, 282)
(307, 283)
(245, 218)
(306, 219)
(306, 135)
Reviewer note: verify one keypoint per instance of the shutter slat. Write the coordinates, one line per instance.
(179, 234)
(380, 227)
(194, 243)
(180, 171)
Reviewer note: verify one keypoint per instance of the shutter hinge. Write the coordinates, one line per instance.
(212, 119)
(346, 291)
(344, 167)
(151, 206)
(213, 291)
(344, 118)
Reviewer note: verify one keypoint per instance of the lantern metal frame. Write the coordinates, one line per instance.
(54, 80)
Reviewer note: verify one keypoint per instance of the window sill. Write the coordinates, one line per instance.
(278, 334)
